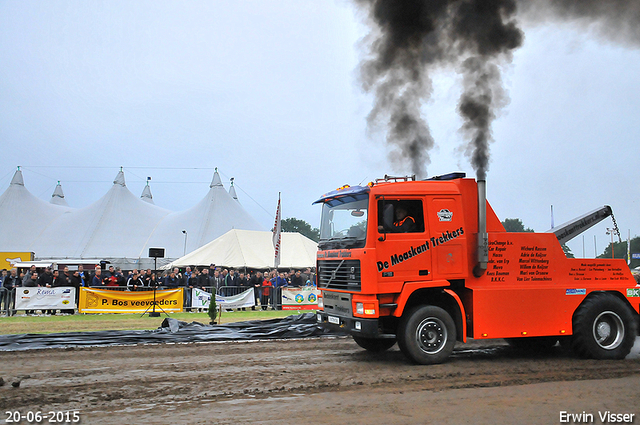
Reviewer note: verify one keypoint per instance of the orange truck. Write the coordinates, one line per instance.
(428, 263)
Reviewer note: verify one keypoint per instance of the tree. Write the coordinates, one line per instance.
(295, 225)
(620, 251)
(516, 225)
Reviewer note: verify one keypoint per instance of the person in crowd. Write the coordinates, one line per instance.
(231, 280)
(171, 281)
(65, 276)
(10, 282)
(45, 280)
(75, 281)
(146, 278)
(179, 276)
(98, 280)
(57, 281)
(278, 282)
(153, 282)
(297, 280)
(31, 282)
(212, 269)
(110, 278)
(29, 272)
(265, 293)
(132, 272)
(85, 279)
(120, 278)
(134, 283)
(216, 282)
(256, 283)
(190, 282)
(204, 280)
(65, 280)
(243, 285)
(3, 292)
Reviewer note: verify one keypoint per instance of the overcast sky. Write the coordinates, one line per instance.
(268, 93)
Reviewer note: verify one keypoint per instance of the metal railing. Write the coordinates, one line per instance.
(266, 297)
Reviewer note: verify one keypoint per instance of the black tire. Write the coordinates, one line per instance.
(533, 345)
(426, 334)
(603, 328)
(374, 345)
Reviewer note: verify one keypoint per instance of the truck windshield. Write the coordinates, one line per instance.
(344, 225)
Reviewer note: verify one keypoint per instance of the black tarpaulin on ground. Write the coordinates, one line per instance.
(173, 331)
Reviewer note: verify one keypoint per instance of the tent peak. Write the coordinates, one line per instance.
(120, 178)
(146, 194)
(216, 179)
(232, 191)
(17, 178)
(58, 196)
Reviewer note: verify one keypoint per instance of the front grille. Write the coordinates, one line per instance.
(339, 274)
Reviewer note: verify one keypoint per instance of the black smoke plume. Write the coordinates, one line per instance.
(617, 21)
(412, 38)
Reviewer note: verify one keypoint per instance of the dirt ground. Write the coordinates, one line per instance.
(317, 380)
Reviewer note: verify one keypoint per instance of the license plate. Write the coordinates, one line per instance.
(334, 320)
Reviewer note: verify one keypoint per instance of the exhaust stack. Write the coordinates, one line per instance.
(483, 237)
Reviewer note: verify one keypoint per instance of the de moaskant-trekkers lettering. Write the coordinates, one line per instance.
(414, 252)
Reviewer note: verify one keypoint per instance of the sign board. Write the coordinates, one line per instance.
(300, 299)
(9, 259)
(112, 301)
(635, 255)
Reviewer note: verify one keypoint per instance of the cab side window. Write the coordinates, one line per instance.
(400, 216)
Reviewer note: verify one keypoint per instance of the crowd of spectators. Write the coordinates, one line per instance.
(223, 281)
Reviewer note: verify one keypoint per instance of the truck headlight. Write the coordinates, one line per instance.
(359, 308)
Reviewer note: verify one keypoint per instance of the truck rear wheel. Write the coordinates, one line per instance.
(427, 334)
(374, 345)
(603, 328)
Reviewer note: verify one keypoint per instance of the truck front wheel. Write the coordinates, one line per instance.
(426, 334)
(374, 345)
(603, 328)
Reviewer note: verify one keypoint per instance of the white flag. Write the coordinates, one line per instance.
(276, 235)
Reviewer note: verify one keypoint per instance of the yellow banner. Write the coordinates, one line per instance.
(110, 301)
(8, 259)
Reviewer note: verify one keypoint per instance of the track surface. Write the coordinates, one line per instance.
(326, 380)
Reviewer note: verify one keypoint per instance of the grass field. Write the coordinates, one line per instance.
(22, 324)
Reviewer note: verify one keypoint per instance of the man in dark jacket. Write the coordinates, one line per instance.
(46, 278)
(11, 282)
(171, 281)
(204, 280)
(31, 281)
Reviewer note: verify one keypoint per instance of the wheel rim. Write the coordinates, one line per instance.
(431, 335)
(608, 330)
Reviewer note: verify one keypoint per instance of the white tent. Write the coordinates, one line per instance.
(119, 227)
(213, 216)
(23, 217)
(115, 226)
(252, 249)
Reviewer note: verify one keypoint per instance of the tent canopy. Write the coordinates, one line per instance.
(252, 249)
